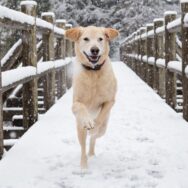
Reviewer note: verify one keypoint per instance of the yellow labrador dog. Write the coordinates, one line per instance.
(94, 83)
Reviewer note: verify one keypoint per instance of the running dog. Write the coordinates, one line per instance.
(94, 83)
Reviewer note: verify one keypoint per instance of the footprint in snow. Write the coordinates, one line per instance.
(144, 139)
(155, 174)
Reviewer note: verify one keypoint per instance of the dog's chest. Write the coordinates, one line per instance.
(95, 90)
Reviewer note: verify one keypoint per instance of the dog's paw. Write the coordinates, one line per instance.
(88, 123)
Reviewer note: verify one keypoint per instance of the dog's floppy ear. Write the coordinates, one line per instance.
(111, 33)
(73, 34)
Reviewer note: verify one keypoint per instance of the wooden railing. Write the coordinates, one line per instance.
(158, 53)
(35, 69)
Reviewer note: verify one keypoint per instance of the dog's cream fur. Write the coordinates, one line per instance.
(93, 91)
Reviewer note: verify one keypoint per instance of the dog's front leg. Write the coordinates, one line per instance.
(83, 122)
(82, 115)
(104, 113)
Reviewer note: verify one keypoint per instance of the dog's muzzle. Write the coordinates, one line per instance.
(92, 58)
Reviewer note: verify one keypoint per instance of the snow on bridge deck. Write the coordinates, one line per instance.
(146, 145)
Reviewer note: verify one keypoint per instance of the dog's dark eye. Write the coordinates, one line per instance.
(100, 39)
(86, 39)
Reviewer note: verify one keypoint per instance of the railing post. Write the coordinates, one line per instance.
(61, 75)
(1, 118)
(48, 55)
(138, 51)
(159, 73)
(149, 54)
(184, 9)
(131, 61)
(30, 106)
(68, 53)
(142, 51)
(170, 55)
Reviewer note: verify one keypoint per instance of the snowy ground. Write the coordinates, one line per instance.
(145, 146)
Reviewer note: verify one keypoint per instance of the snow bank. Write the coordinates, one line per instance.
(173, 24)
(150, 34)
(183, 1)
(170, 13)
(44, 66)
(61, 21)
(10, 52)
(34, 3)
(178, 42)
(151, 60)
(11, 76)
(47, 65)
(160, 63)
(59, 31)
(6, 13)
(48, 14)
(175, 66)
(186, 71)
(145, 58)
(44, 24)
(160, 30)
(186, 20)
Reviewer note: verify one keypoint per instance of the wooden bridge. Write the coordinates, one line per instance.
(145, 145)
(158, 53)
(34, 72)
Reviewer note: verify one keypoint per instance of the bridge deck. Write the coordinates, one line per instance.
(145, 145)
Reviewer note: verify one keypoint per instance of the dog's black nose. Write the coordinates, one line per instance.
(94, 51)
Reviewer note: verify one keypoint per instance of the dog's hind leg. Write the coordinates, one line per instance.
(82, 134)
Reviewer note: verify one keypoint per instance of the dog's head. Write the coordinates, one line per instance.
(91, 43)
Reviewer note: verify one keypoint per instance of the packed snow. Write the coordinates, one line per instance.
(6, 13)
(10, 52)
(14, 75)
(175, 66)
(160, 62)
(145, 145)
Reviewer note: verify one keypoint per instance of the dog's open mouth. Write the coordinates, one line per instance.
(93, 58)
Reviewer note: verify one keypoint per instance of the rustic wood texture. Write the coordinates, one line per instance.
(161, 71)
(30, 108)
(1, 119)
(61, 75)
(159, 74)
(170, 55)
(149, 68)
(13, 58)
(184, 8)
(68, 53)
(48, 55)
(142, 52)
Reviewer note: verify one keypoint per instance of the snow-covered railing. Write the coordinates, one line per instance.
(11, 56)
(21, 20)
(163, 47)
(39, 61)
(21, 75)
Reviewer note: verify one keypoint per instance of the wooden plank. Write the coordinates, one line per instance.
(68, 53)
(48, 54)
(61, 75)
(15, 54)
(184, 8)
(159, 74)
(30, 108)
(149, 68)
(170, 55)
(142, 52)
